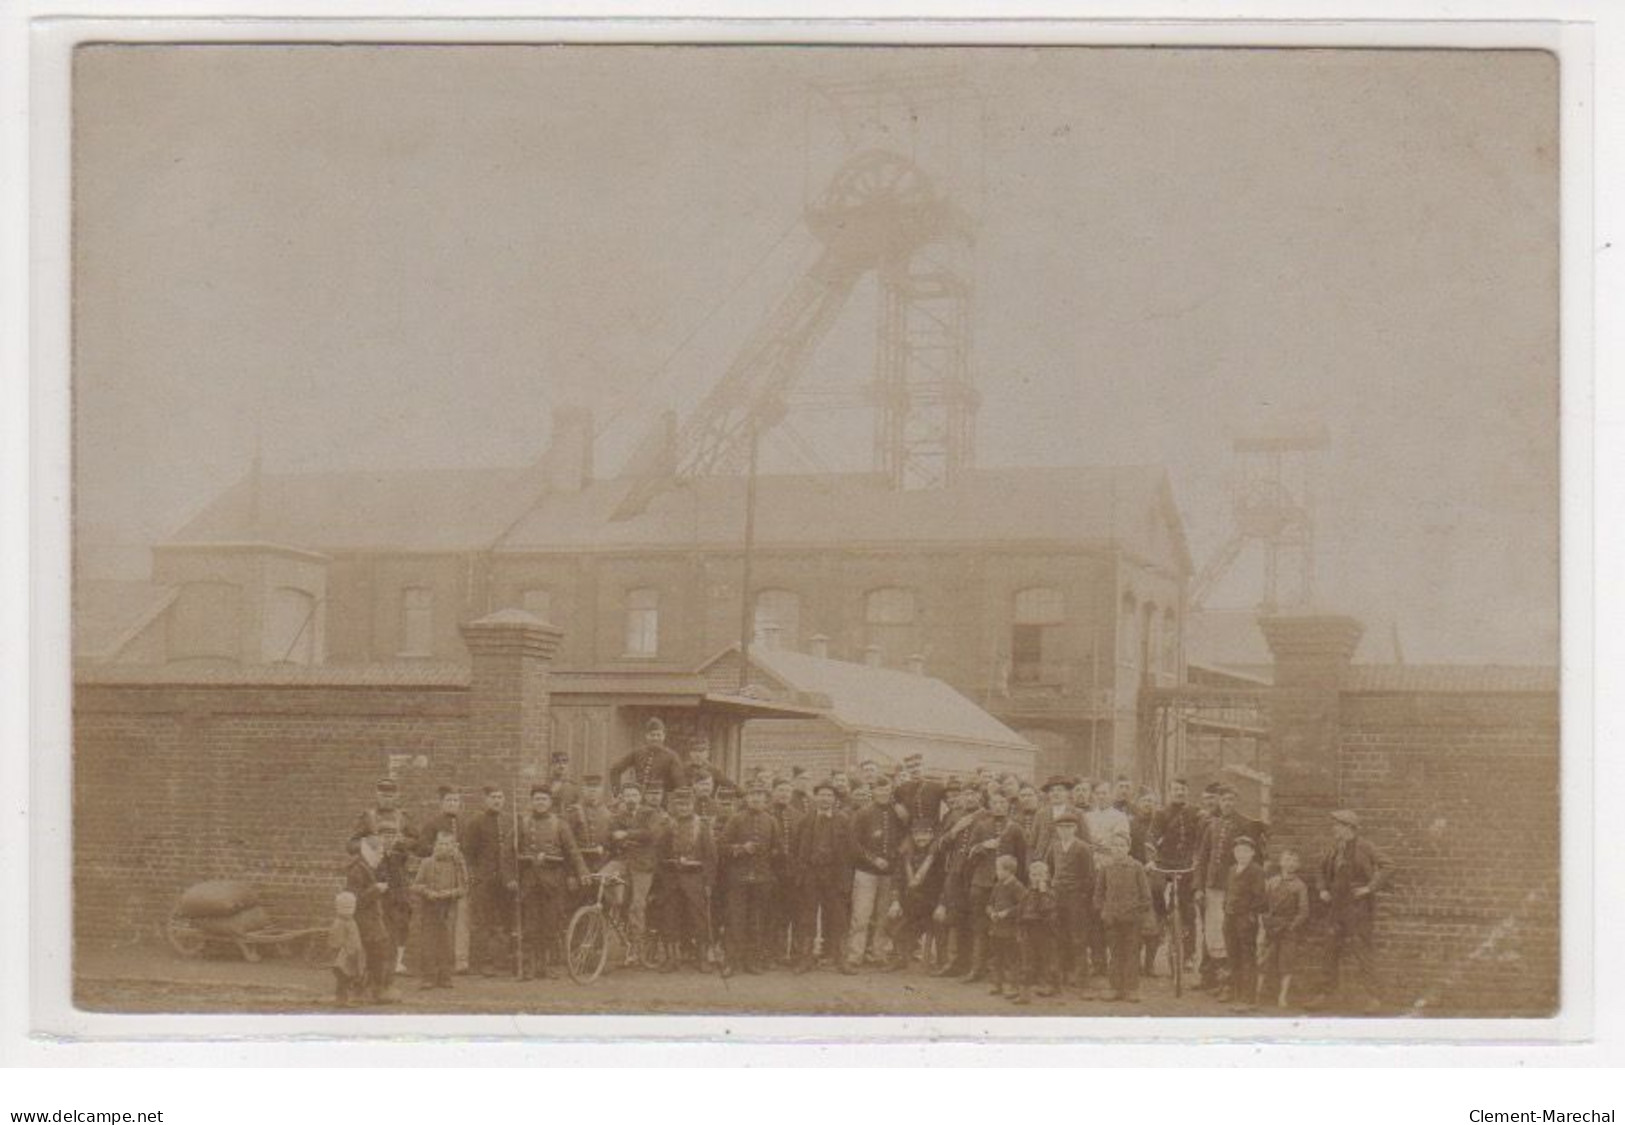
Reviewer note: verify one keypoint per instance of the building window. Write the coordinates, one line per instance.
(417, 621)
(1128, 622)
(778, 619)
(642, 622)
(291, 627)
(538, 602)
(1035, 636)
(892, 619)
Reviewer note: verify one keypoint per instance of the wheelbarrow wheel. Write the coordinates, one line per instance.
(185, 938)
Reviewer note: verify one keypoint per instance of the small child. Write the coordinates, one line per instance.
(1039, 964)
(349, 958)
(1004, 930)
(1244, 901)
(1285, 914)
(442, 880)
(1123, 905)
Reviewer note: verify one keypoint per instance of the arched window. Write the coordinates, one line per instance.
(1035, 635)
(778, 619)
(891, 620)
(642, 622)
(291, 627)
(417, 621)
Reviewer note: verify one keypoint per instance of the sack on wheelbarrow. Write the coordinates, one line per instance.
(218, 898)
(236, 925)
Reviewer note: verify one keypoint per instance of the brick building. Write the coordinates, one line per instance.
(1047, 595)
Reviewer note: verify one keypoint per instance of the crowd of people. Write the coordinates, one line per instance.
(1077, 884)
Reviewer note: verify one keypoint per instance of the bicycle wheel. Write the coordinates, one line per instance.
(586, 944)
(652, 951)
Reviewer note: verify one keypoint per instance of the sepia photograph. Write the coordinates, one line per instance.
(816, 530)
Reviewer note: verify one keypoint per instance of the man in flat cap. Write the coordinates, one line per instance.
(653, 763)
(1056, 800)
(1350, 876)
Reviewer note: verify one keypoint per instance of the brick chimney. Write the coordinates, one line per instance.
(508, 710)
(1312, 658)
(568, 462)
(818, 645)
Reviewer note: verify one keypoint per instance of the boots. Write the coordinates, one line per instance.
(978, 960)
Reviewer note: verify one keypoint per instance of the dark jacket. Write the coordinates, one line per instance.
(877, 834)
(650, 764)
(823, 846)
(922, 799)
(1176, 830)
(1038, 912)
(362, 881)
(1244, 891)
(1215, 855)
(746, 828)
(486, 848)
(1122, 892)
(1349, 867)
(591, 828)
(636, 848)
(1004, 908)
(1287, 905)
(995, 840)
(685, 847)
(547, 850)
(1071, 875)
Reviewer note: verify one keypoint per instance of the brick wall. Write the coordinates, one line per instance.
(174, 784)
(1460, 791)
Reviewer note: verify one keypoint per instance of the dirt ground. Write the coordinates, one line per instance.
(155, 979)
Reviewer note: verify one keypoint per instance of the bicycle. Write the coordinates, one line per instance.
(1174, 921)
(587, 938)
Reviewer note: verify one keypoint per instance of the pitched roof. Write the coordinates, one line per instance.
(108, 614)
(1128, 506)
(884, 701)
(1446, 678)
(413, 509)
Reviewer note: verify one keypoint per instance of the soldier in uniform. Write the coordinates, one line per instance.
(492, 883)
(1214, 856)
(566, 793)
(801, 783)
(953, 911)
(726, 805)
(550, 869)
(920, 797)
(1176, 829)
(752, 844)
(919, 890)
(782, 909)
(878, 833)
(631, 839)
(699, 762)
(651, 764)
(990, 835)
(686, 854)
(823, 854)
(591, 823)
(705, 798)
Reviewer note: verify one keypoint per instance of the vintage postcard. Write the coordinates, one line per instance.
(791, 529)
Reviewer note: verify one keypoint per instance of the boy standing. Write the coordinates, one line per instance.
(349, 958)
(1285, 913)
(1038, 962)
(1244, 901)
(1071, 865)
(441, 883)
(1123, 905)
(1004, 928)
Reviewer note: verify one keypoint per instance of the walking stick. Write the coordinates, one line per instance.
(518, 900)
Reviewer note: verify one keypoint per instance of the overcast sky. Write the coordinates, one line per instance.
(382, 257)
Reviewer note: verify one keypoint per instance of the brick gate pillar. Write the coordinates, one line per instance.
(508, 701)
(1312, 657)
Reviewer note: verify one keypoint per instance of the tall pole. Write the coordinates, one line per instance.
(747, 614)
